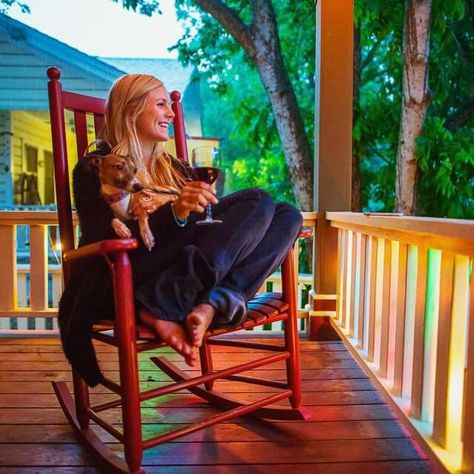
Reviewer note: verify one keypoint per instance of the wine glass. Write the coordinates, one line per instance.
(205, 168)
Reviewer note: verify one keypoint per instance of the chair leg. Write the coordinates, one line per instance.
(291, 329)
(293, 362)
(207, 367)
(125, 333)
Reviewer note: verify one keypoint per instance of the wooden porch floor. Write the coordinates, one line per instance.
(352, 429)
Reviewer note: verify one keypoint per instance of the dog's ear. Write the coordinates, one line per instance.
(94, 160)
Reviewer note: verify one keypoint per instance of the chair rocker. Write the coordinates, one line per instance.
(130, 339)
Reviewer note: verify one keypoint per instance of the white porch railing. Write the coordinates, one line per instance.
(29, 292)
(406, 306)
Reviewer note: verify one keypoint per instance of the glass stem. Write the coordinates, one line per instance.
(209, 212)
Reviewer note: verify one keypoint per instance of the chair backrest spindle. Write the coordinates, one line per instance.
(61, 169)
(179, 129)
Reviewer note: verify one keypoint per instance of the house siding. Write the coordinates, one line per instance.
(5, 159)
(29, 131)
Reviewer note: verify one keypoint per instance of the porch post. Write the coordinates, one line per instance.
(333, 141)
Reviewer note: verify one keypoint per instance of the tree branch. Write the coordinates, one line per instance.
(231, 22)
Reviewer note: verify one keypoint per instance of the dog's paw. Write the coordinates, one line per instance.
(148, 240)
(121, 229)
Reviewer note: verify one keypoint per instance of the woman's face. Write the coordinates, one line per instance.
(152, 124)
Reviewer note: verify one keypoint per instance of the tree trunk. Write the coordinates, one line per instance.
(415, 99)
(261, 42)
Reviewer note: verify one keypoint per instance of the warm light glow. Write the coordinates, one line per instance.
(379, 299)
(412, 278)
(349, 256)
(392, 312)
(457, 353)
(431, 333)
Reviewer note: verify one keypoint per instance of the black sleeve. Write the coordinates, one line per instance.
(95, 215)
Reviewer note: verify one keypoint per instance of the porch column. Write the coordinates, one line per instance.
(333, 136)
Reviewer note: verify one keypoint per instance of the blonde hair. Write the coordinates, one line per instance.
(126, 101)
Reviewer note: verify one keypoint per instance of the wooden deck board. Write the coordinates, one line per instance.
(352, 429)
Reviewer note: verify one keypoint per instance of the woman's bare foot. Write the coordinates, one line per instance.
(197, 322)
(172, 333)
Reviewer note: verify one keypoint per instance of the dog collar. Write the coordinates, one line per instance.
(115, 197)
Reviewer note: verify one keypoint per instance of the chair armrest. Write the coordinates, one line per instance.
(101, 248)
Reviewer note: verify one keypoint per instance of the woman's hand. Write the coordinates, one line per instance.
(194, 197)
(149, 201)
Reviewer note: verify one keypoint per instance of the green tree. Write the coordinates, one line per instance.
(5, 5)
(219, 32)
(237, 108)
(444, 185)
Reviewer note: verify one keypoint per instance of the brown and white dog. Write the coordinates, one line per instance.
(118, 186)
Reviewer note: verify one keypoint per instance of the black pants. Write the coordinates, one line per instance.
(223, 264)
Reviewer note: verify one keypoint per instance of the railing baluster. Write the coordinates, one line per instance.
(441, 363)
(352, 294)
(457, 353)
(392, 312)
(341, 300)
(385, 307)
(8, 295)
(468, 406)
(38, 267)
(339, 273)
(431, 333)
(8, 281)
(418, 336)
(411, 298)
(400, 310)
(372, 297)
(57, 285)
(362, 290)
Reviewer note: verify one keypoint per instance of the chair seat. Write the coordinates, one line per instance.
(264, 308)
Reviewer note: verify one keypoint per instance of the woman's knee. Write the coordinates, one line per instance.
(291, 216)
(261, 199)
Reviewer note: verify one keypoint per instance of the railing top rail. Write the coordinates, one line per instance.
(51, 217)
(309, 218)
(31, 217)
(454, 235)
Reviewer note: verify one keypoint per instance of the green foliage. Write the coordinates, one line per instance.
(377, 113)
(446, 161)
(145, 7)
(236, 108)
(5, 5)
(446, 148)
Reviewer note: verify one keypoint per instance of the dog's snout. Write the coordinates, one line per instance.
(137, 187)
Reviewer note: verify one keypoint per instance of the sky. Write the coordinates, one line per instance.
(103, 27)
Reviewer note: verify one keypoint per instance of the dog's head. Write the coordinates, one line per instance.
(116, 171)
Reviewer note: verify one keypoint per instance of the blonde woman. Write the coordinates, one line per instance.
(195, 276)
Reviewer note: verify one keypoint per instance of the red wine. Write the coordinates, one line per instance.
(206, 174)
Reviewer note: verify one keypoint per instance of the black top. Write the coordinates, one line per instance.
(88, 295)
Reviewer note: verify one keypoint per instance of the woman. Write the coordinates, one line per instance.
(195, 276)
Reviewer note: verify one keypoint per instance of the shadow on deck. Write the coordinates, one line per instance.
(352, 429)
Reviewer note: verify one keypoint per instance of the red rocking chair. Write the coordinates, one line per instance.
(130, 339)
